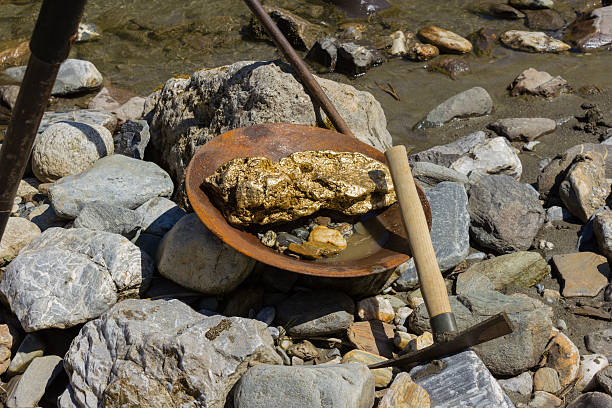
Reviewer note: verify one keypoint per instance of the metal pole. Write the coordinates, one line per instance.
(312, 86)
(53, 35)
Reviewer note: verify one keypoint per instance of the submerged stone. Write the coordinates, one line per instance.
(256, 191)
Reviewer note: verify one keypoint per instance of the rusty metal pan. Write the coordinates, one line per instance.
(276, 141)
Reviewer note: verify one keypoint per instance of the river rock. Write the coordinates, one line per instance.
(602, 226)
(319, 313)
(460, 380)
(328, 386)
(30, 348)
(583, 273)
(450, 66)
(398, 45)
(212, 267)
(585, 187)
(429, 175)
(511, 354)
(563, 356)
(546, 379)
(422, 52)
(591, 400)
(18, 233)
(104, 100)
(159, 215)
(355, 59)
(8, 95)
(74, 76)
(521, 268)
(543, 399)
(600, 342)
(105, 217)
(87, 32)
(449, 231)
(6, 343)
(116, 180)
(72, 276)
(32, 385)
(502, 10)
(375, 308)
(446, 155)
(382, 376)
(445, 40)
(555, 172)
(405, 393)
(523, 129)
(372, 336)
(473, 102)
(522, 384)
(547, 20)
(15, 55)
(592, 29)
(539, 83)
(256, 190)
(162, 353)
(472, 281)
(484, 41)
(532, 41)
(87, 116)
(132, 139)
(505, 214)
(45, 217)
(532, 4)
(248, 93)
(589, 366)
(67, 148)
(132, 109)
(604, 379)
(494, 156)
(300, 33)
(325, 52)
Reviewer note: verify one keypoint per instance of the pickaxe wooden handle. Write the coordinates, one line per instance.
(433, 289)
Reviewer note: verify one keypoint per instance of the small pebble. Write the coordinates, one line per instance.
(268, 239)
(296, 361)
(530, 145)
(301, 233)
(387, 290)
(266, 315)
(334, 353)
(540, 288)
(561, 325)
(476, 256)
(543, 163)
(402, 329)
(274, 332)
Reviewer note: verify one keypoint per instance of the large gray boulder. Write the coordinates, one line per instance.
(116, 180)
(105, 217)
(472, 102)
(32, 385)
(74, 76)
(162, 354)
(67, 148)
(508, 355)
(159, 215)
(326, 386)
(69, 276)
(189, 112)
(505, 214)
(446, 155)
(192, 256)
(450, 230)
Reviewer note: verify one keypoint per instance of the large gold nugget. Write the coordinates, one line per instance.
(256, 191)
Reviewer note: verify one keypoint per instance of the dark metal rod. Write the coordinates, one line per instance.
(300, 67)
(53, 35)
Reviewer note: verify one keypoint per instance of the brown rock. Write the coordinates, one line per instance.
(375, 308)
(592, 30)
(450, 66)
(420, 342)
(539, 83)
(600, 342)
(502, 10)
(313, 250)
(405, 393)
(256, 191)
(8, 95)
(546, 379)
(604, 379)
(585, 187)
(483, 41)
(602, 226)
(445, 40)
(543, 399)
(6, 343)
(304, 350)
(18, 233)
(563, 356)
(382, 376)
(401, 339)
(422, 52)
(324, 235)
(547, 20)
(14, 56)
(583, 273)
(372, 336)
(301, 33)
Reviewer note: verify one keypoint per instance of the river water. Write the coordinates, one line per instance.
(144, 42)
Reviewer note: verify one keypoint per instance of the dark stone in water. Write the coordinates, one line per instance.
(505, 11)
(360, 9)
(546, 20)
(283, 239)
(483, 41)
(450, 66)
(324, 52)
(355, 59)
(301, 233)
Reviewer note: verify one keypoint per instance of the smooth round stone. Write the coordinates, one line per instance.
(266, 315)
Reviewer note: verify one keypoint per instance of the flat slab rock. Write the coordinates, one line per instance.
(32, 385)
(511, 354)
(523, 129)
(539, 83)
(472, 102)
(600, 342)
(532, 41)
(461, 380)
(116, 180)
(327, 386)
(592, 30)
(583, 273)
(446, 155)
(163, 354)
(69, 276)
(516, 269)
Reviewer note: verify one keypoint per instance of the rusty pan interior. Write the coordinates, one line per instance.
(276, 141)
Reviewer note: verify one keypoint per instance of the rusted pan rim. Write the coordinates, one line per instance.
(276, 141)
